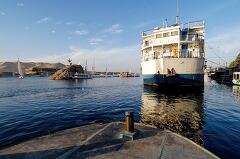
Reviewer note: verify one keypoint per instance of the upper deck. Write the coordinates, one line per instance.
(177, 40)
(176, 33)
(189, 25)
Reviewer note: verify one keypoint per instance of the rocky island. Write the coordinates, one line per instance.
(67, 72)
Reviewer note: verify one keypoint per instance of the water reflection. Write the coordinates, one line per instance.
(180, 112)
(236, 93)
(236, 90)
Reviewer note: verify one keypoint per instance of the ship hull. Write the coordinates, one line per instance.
(176, 80)
(187, 72)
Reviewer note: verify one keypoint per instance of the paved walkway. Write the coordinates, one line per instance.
(103, 141)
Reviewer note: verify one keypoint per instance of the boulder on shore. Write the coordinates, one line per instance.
(67, 72)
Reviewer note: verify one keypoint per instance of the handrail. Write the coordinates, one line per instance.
(183, 26)
(191, 37)
(160, 54)
(188, 37)
(192, 24)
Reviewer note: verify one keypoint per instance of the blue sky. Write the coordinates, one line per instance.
(108, 31)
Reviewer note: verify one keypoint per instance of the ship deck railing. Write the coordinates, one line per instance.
(191, 37)
(193, 24)
(158, 55)
(183, 38)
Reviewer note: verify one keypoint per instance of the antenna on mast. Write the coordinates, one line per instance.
(165, 23)
(93, 67)
(177, 7)
(177, 17)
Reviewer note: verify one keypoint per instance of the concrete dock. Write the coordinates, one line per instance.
(104, 141)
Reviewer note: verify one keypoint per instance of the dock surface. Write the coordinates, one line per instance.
(103, 141)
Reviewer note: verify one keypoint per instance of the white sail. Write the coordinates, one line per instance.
(20, 72)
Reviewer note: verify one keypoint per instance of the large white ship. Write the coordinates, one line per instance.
(174, 55)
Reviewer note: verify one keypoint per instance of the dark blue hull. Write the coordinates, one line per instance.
(176, 80)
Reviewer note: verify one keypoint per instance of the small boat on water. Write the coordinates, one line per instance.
(236, 78)
(81, 76)
(20, 71)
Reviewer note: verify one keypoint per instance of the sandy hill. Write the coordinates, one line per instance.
(12, 66)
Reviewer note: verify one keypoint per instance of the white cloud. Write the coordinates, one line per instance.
(95, 41)
(81, 32)
(53, 32)
(2, 13)
(43, 20)
(114, 29)
(20, 4)
(117, 59)
(69, 23)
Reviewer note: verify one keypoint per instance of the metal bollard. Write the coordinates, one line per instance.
(129, 121)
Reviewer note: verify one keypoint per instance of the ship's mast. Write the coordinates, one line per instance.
(177, 7)
(93, 67)
(177, 16)
(106, 71)
(86, 66)
(177, 22)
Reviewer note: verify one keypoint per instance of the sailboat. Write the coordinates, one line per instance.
(20, 72)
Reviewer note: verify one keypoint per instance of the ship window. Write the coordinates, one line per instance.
(165, 34)
(174, 33)
(237, 76)
(158, 35)
(146, 43)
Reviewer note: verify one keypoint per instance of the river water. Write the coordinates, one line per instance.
(36, 106)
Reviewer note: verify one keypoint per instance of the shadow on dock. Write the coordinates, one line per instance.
(104, 141)
(57, 146)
